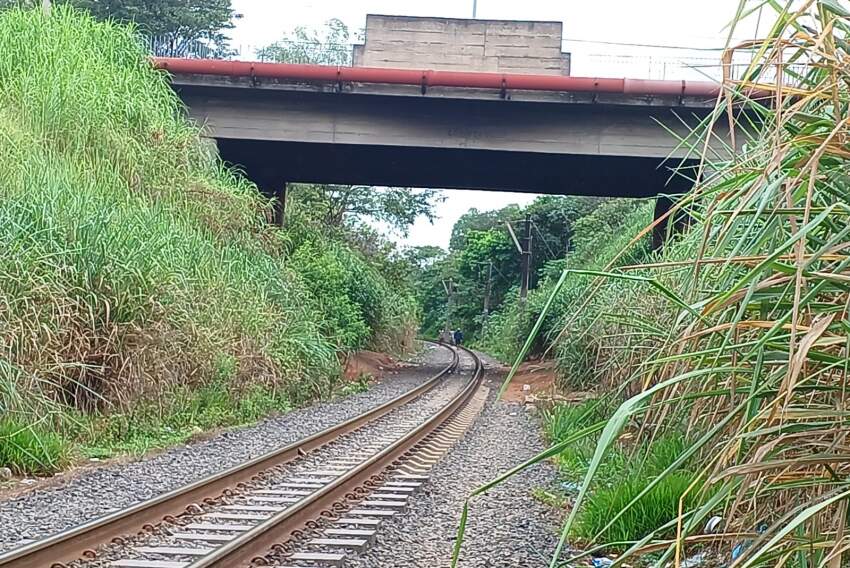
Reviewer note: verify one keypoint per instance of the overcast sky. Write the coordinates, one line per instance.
(598, 33)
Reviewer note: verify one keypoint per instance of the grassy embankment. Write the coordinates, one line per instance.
(736, 338)
(143, 295)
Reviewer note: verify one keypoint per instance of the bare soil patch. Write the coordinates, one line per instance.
(535, 382)
(370, 363)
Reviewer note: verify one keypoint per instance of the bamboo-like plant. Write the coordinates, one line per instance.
(755, 366)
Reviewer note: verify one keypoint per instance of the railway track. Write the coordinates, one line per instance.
(308, 504)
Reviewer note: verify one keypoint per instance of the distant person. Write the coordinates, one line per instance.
(458, 337)
(446, 336)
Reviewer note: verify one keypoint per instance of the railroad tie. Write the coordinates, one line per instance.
(218, 527)
(359, 521)
(357, 544)
(371, 513)
(235, 517)
(403, 483)
(279, 492)
(366, 534)
(382, 503)
(270, 499)
(132, 563)
(383, 495)
(173, 550)
(254, 508)
(332, 558)
(203, 536)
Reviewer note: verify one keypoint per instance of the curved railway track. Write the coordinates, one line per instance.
(307, 502)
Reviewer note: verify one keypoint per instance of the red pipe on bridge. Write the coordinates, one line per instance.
(430, 78)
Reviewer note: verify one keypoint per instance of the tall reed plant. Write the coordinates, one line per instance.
(752, 305)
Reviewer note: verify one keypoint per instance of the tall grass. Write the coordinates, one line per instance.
(29, 449)
(132, 262)
(752, 358)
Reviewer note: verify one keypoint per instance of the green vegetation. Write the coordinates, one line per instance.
(143, 294)
(562, 422)
(737, 332)
(626, 471)
(479, 238)
(360, 384)
(29, 449)
(329, 47)
(597, 237)
(174, 27)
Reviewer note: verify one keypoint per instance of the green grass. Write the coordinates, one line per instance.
(625, 471)
(565, 420)
(360, 384)
(136, 269)
(655, 509)
(188, 414)
(28, 449)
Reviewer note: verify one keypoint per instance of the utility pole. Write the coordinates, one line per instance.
(525, 268)
(474, 9)
(487, 289)
(450, 292)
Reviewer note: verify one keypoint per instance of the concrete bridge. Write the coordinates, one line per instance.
(532, 133)
(496, 109)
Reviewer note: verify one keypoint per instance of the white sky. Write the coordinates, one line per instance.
(692, 23)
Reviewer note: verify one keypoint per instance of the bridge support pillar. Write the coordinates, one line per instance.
(279, 204)
(659, 232)
(674, 223)
(272, 184)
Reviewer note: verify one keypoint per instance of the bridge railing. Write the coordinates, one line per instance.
(647, 63)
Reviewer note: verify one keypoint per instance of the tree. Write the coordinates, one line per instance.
(330, 47)
(422, 257)
(335, 205)
(175, 27)
(481, 237)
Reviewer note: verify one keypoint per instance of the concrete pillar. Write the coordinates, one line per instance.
(279, 204)
(659, 233)
(674, 223)
(272, 184)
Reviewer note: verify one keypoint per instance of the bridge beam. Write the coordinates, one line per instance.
(547, 173)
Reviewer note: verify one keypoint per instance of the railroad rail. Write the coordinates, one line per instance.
(265, 504)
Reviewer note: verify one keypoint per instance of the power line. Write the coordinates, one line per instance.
(651, 45)
(542, 238)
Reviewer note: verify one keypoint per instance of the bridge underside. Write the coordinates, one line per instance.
(272, 163)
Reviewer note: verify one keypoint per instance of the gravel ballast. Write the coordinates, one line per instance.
(357, 444)
(96, 492)
(507, 527)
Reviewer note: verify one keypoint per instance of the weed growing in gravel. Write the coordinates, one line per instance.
(562, 422)
(360, 384)
(655, 509)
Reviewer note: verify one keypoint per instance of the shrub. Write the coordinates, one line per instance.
(598, 237)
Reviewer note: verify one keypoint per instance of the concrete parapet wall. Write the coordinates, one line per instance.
(463, 45)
